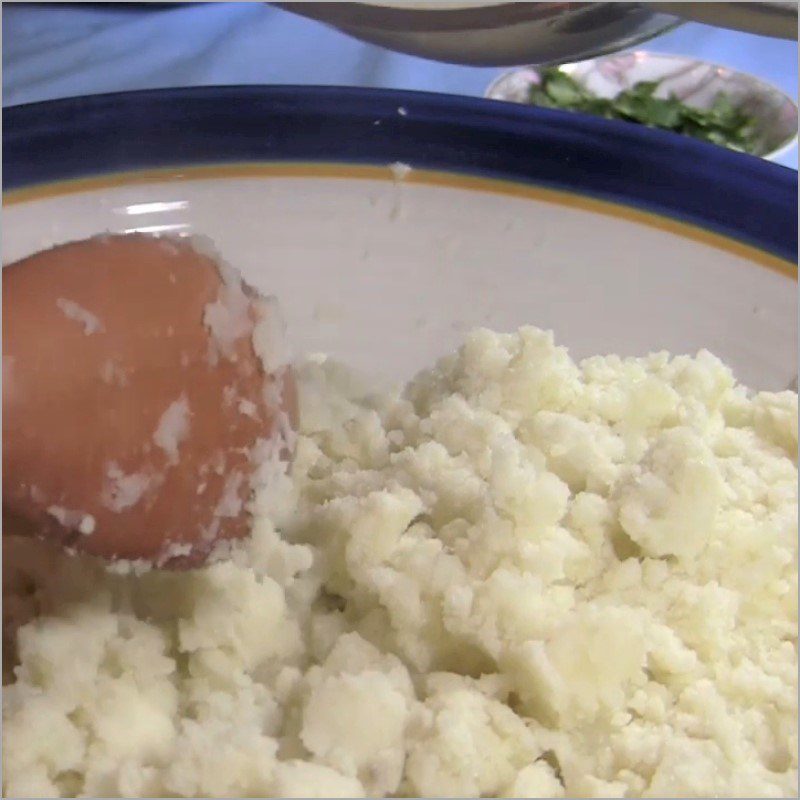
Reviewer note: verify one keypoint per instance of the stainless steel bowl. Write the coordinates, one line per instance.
(498, 34)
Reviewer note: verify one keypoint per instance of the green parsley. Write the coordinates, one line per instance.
(723, 123)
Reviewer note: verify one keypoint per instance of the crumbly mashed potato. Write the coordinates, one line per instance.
(521, 577)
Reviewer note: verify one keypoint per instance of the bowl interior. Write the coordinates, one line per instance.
(388, 270)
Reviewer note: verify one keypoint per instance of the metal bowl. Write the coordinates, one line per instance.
(694, 82)
(488, 33)
(493, 34)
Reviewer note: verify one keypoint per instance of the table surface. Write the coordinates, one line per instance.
(62, 50)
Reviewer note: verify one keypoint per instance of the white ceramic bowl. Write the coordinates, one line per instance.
(696, 83)
(628, 243)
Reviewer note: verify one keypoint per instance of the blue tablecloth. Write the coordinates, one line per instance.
(54, 51)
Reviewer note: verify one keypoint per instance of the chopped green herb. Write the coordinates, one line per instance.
(723, 123)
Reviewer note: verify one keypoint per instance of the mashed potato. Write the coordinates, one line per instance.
(521, 577)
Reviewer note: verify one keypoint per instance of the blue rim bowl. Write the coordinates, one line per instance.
(736, 195)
